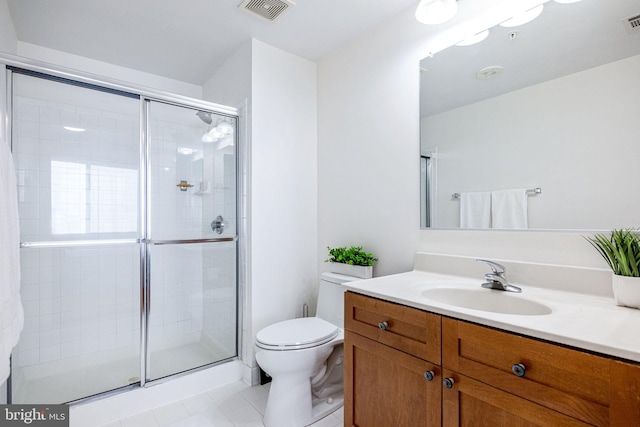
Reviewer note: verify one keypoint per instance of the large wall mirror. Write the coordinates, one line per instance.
(551, 106)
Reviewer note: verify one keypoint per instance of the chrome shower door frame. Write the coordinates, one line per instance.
(145, 96)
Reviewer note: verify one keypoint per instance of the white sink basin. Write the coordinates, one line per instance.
(487, 300)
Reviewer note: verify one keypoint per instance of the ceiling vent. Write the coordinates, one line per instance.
(632, 23)
(267, 9)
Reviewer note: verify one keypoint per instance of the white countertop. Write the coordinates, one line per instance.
(587, 322)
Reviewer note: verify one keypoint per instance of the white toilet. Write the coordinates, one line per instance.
(304, 359)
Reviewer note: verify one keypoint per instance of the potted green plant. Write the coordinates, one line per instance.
(353, 261)
(621, 250)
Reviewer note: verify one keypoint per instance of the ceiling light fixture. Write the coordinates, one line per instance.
(222, 130)
(74, 129)
(186, 151)
(523, 18)
(433, 12)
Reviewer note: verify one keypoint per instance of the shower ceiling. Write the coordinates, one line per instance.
(188, 40)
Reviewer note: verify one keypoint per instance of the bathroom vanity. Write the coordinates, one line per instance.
(413, 361)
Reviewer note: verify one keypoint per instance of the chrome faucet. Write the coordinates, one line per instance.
(497, 279)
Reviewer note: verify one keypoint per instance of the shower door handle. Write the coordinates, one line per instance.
(218, 224)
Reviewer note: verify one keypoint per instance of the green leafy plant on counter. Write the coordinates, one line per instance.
(352, 256)
(621, 250)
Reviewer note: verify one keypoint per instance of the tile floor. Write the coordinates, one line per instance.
(233, 405)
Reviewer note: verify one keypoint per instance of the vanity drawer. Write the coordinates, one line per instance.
(407, 329)
(584, 386)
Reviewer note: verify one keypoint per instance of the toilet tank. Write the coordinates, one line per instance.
(331, 297)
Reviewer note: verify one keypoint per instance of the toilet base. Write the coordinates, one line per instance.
(327, 406)
(290, 404)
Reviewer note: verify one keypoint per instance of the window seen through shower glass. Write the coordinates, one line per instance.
(88, 198)
(76, 151)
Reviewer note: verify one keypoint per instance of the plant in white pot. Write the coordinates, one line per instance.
(621, 250)
(353, 261)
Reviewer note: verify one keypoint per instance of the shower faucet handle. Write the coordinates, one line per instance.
(218, 224)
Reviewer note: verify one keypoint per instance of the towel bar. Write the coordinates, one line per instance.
(530, 192)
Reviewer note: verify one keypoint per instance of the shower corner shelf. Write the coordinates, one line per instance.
(204, 188)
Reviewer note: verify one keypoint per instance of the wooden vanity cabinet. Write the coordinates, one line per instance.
(486, 377)
(389, 379)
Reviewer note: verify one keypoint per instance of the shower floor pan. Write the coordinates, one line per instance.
(68, 385)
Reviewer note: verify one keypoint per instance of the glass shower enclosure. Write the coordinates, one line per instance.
(128, 213)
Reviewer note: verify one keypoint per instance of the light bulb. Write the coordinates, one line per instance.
(225, 128)
(207, 137)
(432, 12)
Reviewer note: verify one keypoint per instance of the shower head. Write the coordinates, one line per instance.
(205, 117)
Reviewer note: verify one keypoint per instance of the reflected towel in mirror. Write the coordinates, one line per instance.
(475, 210)
(509, 208)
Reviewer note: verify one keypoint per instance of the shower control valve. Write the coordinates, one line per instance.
(218, 224)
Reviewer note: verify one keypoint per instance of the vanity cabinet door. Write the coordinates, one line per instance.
(594, 389)
(405, 328)
(475, 404)
(385, 387)
(625, 394)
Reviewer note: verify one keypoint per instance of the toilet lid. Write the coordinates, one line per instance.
(296, 334)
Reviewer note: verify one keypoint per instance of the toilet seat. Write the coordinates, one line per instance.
(296, 334)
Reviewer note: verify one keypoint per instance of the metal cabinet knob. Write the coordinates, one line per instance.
(448, 382)
(429, 375)
(383, 325)
(519, 369)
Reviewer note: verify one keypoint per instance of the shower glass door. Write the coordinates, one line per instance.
(191, 234)
(128, 238)
(77, 156)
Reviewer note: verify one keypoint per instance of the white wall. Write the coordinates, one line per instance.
(64, 59)
(8, 40)
(231, 83)
(283, 255)
(368, 148)
(548, 141)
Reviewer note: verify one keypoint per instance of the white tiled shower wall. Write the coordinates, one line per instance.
(198, 280)
(78, 301)
(85, 301)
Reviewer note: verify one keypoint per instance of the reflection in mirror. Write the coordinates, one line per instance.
(553, 104)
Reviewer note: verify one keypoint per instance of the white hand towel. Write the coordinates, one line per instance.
(475, 210)
(509, 209)
(11, 314)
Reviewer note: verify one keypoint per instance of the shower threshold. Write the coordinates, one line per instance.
(70, 383)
